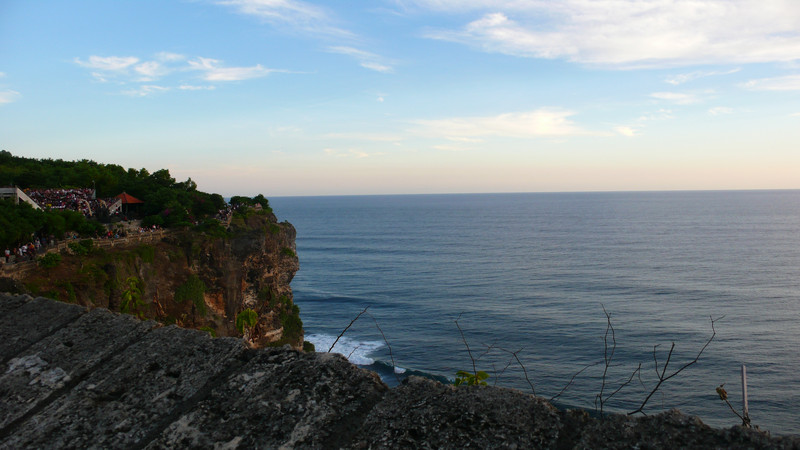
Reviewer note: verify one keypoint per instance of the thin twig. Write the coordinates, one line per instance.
(394, 367)
(354, 350)
(663, 377)
(474, 367)
(347, 328)
(606, 357)
(524, 370)
(573, 379)
(638, 369)
(497, 376)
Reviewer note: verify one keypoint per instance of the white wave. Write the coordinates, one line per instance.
(357, 352)
(399, 370)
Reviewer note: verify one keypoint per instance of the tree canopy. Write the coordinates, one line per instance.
(166, 201)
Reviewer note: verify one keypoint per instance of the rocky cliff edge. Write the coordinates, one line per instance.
(77, 378)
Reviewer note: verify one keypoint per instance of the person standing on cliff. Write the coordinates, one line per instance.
(8, 255)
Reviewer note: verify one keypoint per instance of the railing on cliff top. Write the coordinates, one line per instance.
(18, 267)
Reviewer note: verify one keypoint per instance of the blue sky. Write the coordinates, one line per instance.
(289, 97)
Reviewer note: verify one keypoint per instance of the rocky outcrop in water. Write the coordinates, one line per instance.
(73, 378)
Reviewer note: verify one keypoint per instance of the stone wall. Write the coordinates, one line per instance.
(73, 378)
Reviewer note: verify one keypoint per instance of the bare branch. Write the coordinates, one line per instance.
(394, 367)
(354, 350)
(474, 367)
(573, 379)
(497, 376)
(347, 328)
(524, 370)
(606, 357)
(638, 369)
(662, 377)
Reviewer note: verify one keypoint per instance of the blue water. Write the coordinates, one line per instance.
(531, 273)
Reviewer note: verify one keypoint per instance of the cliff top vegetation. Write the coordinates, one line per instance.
(167, 202)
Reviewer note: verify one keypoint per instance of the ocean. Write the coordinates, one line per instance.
(528, 277)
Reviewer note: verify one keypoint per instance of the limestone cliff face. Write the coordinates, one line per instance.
(202, 279)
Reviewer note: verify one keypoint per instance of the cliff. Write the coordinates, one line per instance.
(202, 278)
(72, 378)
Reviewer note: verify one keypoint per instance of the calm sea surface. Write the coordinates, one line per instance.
(531, 273)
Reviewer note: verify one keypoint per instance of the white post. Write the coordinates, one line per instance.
(745, 407)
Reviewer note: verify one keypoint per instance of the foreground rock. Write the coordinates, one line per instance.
(72, 378)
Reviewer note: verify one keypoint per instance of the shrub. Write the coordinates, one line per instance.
(193, 289)
(246, 318)
(50, 260)
(471, 379)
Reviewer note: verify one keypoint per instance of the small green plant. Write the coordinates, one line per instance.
(132, 296)
(147, 253)
(209, 330)
(50, 260)
(274, 228)
(246, 318)
(308, 347)
(288, 252)
(471, 379)
(193, 289)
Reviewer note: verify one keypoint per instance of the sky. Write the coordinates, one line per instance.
(291, 97)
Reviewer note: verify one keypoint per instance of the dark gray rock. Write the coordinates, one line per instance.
(71, 379)
(29, 323)
(280, 398)
(11, 302)
(670, 429)
(426, 414)
(63, 359)
(133, 395)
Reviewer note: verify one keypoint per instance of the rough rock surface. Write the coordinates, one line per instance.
(249, 267)
(72, 378)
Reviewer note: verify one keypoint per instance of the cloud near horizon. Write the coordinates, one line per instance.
(538, 123)
(626, 34)
(784, 83)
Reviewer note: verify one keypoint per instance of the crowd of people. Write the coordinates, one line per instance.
(82, 200)
(39, 245)
(24, 252)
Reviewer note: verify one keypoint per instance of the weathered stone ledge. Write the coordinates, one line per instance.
(72, 378)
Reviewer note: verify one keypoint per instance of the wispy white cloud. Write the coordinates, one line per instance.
(366, 59)
(371, 137)
(680, 98)
(214, 71)
(686, 77)
(784, 83)
(720, 110)
(661, 114)
(150, 70)
(189, 87)
(300, 15)
(627, 131)
(145, 90)
(629, 33)
(134, 70)
(350, 153)
(9, 96)
(538, 123)
(108, 63)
